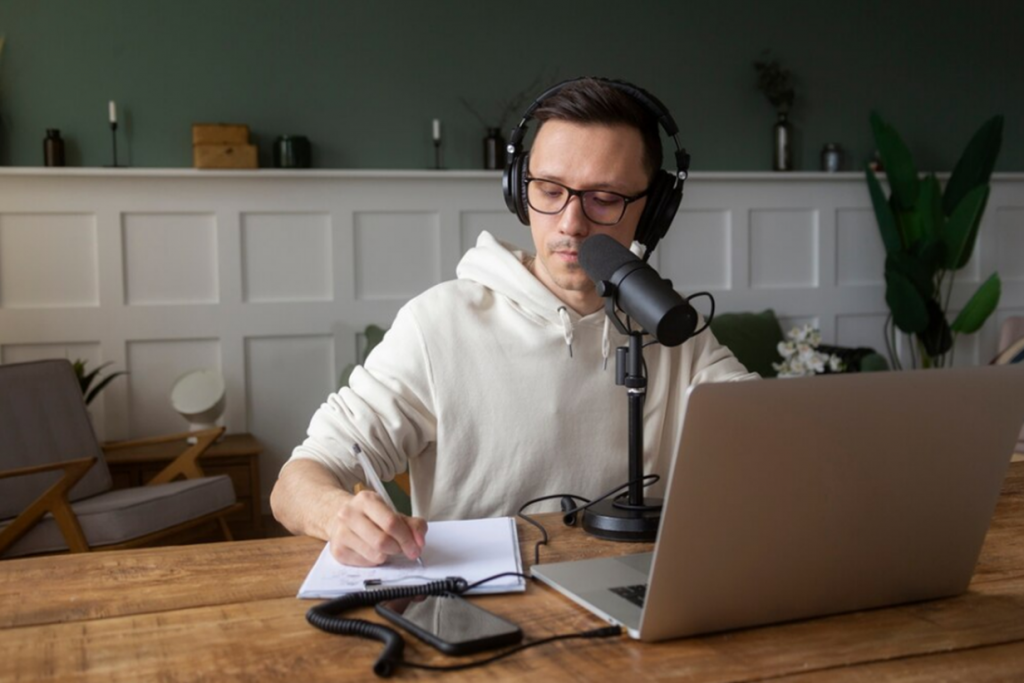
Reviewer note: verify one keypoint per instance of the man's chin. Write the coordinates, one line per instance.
(575, 282)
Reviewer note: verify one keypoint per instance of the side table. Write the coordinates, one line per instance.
(236, 455)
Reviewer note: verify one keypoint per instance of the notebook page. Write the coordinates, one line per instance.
(473, 549)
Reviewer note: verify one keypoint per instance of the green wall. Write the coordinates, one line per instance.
(364, 79)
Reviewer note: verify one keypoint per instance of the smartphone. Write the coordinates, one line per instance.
(450, 623)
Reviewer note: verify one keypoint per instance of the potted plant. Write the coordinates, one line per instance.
(776, 84)
(494, 141)
(929, 233)
(87, 377)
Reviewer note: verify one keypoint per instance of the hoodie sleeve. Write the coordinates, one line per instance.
(388, 409)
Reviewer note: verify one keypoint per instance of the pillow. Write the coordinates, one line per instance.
(752, 337)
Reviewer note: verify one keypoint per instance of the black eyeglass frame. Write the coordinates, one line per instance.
(626, 200)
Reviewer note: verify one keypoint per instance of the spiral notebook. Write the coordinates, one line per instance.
(473, 549)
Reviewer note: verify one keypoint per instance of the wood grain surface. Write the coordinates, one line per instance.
(226, 612)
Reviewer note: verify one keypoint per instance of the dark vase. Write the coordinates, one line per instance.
(783, 133)
(292, 151)
(53, 148)
(494, 150)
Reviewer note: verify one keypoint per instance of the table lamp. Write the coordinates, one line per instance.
(198, 396)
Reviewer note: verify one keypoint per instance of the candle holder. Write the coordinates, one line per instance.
(113, 139)
(438, 155)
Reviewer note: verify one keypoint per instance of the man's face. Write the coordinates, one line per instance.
(583, 157)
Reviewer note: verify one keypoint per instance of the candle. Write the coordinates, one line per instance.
(113, 112)
(437, 130)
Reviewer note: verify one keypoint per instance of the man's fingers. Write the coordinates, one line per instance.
(396, 527)
(418, 527)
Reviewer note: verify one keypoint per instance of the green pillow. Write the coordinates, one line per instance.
(752, 337)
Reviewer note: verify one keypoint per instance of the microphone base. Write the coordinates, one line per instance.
(612, 523)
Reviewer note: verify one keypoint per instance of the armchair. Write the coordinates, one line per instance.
(55, 488)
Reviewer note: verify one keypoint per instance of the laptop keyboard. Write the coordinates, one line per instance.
(635, 594)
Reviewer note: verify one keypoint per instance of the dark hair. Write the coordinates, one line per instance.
(591, 101)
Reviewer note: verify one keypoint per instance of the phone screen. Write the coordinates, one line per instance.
(450, 623)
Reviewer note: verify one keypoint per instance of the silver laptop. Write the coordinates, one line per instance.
(794, 498)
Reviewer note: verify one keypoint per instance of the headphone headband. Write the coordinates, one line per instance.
(649, 101)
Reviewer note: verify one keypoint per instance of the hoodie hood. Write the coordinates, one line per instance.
(503, 268)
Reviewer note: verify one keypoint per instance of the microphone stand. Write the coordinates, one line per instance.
(629, 517)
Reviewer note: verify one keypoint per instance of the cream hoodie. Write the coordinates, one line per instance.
(493, 392)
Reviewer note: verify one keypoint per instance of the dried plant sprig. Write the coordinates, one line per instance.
(775, 82)
(505, 108)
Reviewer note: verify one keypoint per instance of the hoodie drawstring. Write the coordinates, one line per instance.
(606, 342)
(563, 314)
(567, 331)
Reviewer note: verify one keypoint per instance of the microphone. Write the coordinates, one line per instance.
(638, 290)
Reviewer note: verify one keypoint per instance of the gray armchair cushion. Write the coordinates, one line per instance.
(124, 514)
(43, 420)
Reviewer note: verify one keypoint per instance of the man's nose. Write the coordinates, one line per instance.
(573, 221)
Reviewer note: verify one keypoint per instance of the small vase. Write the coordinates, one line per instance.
(494, 150)
(53, 148)
(783, 156)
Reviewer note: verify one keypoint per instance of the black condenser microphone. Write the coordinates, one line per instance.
(638, 290)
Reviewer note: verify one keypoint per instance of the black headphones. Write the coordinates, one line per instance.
(663, 196)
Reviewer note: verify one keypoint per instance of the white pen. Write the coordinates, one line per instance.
(374, 481)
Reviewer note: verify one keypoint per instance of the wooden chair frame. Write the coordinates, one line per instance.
(55, 499)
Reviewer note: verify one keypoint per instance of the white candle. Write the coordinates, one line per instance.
(113, 112)
(437, 129)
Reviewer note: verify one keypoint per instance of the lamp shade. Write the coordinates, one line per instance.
(198, 396)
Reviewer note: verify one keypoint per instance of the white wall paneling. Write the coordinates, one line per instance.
(270, 275)
(48, 260)
(287, 378)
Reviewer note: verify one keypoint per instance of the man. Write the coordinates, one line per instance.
(495, 388)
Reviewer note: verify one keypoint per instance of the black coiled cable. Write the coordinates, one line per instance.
(325, 617)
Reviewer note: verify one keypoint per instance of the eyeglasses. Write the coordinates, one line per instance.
(599, 206)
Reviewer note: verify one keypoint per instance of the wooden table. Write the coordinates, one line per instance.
(227, 612)
(236, 455)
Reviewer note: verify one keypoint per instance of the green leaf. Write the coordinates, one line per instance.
(899, 166)
(916, 271)
(908, 308)
(937, 338)
(99, 387)
(980, 307)
(886, 221)
(910, 231)
(961, 230)
(928, 253)
(86, 380)
(975, 165)
(929, 208)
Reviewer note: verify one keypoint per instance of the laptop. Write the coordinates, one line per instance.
(796, 498)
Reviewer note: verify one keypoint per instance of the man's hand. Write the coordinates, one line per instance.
(364, 532)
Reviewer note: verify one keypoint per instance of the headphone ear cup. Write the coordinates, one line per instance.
(522, 206)
(662, 204)
(513, 187)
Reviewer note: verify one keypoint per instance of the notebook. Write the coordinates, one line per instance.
(794, 498)
(473, 549)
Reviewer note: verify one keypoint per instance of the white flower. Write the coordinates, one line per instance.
(800, 355)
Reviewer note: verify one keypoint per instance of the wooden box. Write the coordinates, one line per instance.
(234, 155)
(220, 133)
